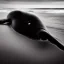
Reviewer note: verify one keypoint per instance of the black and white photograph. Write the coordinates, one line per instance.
(31, 31)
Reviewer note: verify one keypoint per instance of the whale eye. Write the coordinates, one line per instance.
(29, 23)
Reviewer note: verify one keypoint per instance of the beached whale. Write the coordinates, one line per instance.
(31, 26)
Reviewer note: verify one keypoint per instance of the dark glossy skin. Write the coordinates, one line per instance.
(26, 24)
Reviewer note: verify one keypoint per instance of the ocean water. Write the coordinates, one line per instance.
(54, 22)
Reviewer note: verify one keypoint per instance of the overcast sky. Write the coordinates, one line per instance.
(32, 4)
(38, 0)
(32, 0)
